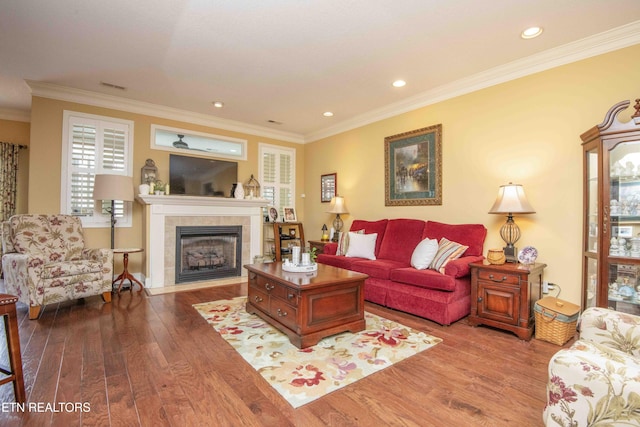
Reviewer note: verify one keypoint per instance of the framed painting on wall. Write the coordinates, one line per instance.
(413, 167)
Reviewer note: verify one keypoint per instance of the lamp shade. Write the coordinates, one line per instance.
(511, 199)
(113, 187)
(338, 206)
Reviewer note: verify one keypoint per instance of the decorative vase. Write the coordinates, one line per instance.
(143, 189)
(239, 192)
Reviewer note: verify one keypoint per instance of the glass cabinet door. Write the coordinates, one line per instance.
(592, 232)
(624, 213)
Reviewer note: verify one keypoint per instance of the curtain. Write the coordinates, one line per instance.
(8, 179)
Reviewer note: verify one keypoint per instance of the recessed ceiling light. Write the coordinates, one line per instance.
(218, 104)
(327, 114)
(531, 32)
(399, 83)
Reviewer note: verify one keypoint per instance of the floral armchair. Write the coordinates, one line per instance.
(45, 261)
(597, 380)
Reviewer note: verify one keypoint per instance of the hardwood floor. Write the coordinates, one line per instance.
(154, 361)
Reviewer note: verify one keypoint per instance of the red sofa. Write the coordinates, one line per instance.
(394, 283)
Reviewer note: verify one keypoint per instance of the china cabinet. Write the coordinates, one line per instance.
(611, 235)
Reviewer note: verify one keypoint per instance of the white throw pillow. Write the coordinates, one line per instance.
(343, 242)
(362, 245)
(424, 253)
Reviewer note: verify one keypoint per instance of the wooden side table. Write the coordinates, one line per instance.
(125, 274)
(318, 244)
(503, 296)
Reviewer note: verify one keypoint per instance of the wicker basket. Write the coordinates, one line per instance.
(555, 320)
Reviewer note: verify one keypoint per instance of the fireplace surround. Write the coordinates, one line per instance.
(163, 214)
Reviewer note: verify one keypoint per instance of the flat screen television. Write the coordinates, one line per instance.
(196, 176)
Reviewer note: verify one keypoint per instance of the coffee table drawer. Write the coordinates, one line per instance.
(277, 290)
(284, 313)
(259, 298)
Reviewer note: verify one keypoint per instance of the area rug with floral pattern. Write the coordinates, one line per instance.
(302, 376)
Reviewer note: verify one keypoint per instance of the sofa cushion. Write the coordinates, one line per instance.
(447, 251)
(400, 239)
(371, 227)
(429, 279)
(337, 260)
(471, 235)
(362, 245)
(424, 253)
(379, 268)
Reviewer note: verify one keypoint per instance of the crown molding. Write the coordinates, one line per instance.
(81, 96)
(608, 41)
(15, 115)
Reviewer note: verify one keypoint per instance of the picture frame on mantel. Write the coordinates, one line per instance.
(328, 187)
(413, 167)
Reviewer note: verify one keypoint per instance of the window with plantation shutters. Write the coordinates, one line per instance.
(94, 145)
(277, 175)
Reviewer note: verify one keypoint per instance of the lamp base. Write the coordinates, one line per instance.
(511, 253)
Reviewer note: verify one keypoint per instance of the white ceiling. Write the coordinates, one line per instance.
(291, 60)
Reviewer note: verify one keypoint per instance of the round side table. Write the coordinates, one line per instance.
(125, 274)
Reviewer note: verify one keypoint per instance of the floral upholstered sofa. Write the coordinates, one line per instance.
(597, 380)
(45, 261)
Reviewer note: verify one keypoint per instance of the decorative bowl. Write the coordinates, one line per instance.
(528, 255)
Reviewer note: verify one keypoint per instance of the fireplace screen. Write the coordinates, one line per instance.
(209, 252)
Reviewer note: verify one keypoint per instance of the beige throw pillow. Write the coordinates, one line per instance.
(447, 251)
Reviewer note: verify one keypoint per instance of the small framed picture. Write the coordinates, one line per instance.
(328, 185)
(273, 214)
(289, 214)
(622, 231)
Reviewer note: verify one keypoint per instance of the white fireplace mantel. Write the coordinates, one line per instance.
(158, 209)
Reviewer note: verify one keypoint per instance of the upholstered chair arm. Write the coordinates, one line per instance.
(104, 257)
(95, 254)
(14, 268)
(23, 271)
(612, 329)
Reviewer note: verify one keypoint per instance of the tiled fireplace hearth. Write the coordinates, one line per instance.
(164, 214)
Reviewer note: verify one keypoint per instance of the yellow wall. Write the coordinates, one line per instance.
(18, 133)
(46, 160)
(526, 131)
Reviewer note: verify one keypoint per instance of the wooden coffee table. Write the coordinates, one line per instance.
(307, 306)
